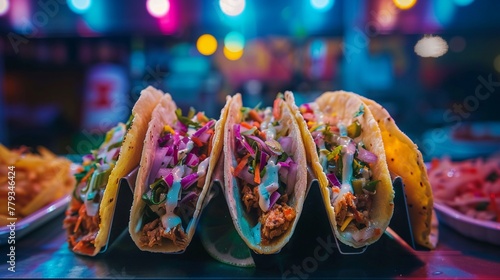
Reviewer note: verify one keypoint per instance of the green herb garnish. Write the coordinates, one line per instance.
(370, 186)
(187, 120)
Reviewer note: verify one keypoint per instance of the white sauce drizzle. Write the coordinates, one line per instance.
(169, 219)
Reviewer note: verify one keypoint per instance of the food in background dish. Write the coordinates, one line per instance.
(470, 186)
(482, 133)
(89, 215)
(265, 173)
(179, 156)
(39, 179)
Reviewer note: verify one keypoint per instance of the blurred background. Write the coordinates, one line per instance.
(71, 69)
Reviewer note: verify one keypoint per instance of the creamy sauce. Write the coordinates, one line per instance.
(268, 116)
(347, 159)
(117, 137)
(267, 126)
(114, 136)
(270, 132)
(92, 206)
(185, 151)
(323, 160)
(317, 112)
(269, 182)
(202, 167)
(368, 232)
(169, 219)
(342, 129)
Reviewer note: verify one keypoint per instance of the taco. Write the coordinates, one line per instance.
(88, 217)
(265, 173)
(405, 160)
(346, 153)
(179, 157)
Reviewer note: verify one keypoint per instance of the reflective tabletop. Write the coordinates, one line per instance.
(311, 253)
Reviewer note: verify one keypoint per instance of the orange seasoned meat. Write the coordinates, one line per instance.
(276, 221)
(250, 197)
(353, 206)
(82, 229)
(153, 234)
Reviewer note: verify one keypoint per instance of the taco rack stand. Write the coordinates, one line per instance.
(399, 229)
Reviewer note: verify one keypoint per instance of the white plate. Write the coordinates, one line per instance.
(485, 231)
(36, 219)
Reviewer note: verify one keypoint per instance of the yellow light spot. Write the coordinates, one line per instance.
(206, 44)
(405, 4)
(232, 55)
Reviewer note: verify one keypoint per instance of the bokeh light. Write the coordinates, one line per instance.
(234, 41)
(206, 44)
(79, 6)
(232, 55)
(444, 10)
(4, 7)
(322, 5)
(405, 4)
(158, 8)
(431, 46)
(232, 7)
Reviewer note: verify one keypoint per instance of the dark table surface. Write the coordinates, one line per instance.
(44, 253)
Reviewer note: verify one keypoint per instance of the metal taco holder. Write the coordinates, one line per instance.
(399, 229)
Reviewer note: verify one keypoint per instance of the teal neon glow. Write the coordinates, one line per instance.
(234, 41)
(463, 2)
(79, 6)
(322, 5)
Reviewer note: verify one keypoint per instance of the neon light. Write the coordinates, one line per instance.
(322, 5)
(206, 44)
(232, 7)
(4, 7)
(431, 46)
(79, 6)
(405, 4)
(234, 41)
(232, 55)
(158, 8)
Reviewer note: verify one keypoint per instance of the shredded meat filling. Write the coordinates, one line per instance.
(276, 221)
(82, 229)
(250, 197)
(153, 234)
(357, 207)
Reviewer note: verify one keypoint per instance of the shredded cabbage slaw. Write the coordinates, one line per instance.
(471, 186)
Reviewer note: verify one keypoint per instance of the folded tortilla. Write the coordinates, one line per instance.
(173, 179)
(265, 173)
(405, 160)
(89, 215)
(346, 153)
